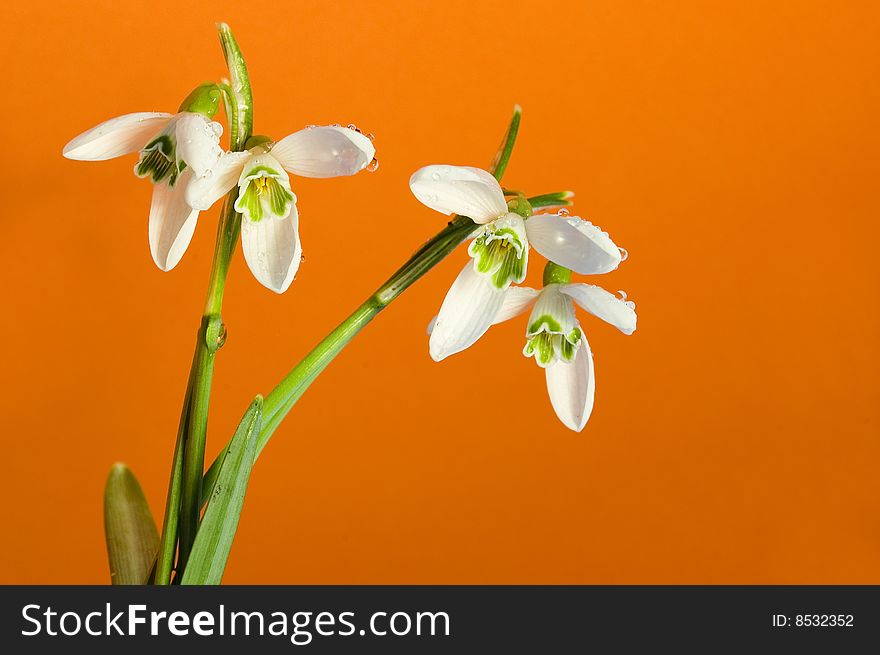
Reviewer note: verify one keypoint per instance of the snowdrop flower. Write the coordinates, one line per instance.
(174, 148)
(556, 341)
(500, 250)
(270, 222)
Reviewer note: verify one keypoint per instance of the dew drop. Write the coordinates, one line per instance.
(630, 304)
(373, 166)
(623, 253)
(354, 127)
(221, 336)
(622, 294)
(563, 212)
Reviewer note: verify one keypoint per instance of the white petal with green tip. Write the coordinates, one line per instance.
(263, 189)
(116, 137)
(573, 243)
(272, 249)
(323, 152)
(618, 312)
(462, 190)
(501, 250)
(553, 333)
(172, 223)
(572, 388)
(468, 310)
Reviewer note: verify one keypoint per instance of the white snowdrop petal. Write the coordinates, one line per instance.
(467, 312)
(116, 137)
(202, 192)
(573, 243)
(618, 312)
(463, 190)
(272, 249)
(516, 301)
(572, 388)
(324, 152)
(172, 223)
(198, 141)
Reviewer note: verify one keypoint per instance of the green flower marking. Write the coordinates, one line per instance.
(502, 254)
(265, 192)
(159, 161)
(547, 346)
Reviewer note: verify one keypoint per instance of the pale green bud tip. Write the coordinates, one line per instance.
(227, 41)
(520, 205)
(556, 274)
(204, 99)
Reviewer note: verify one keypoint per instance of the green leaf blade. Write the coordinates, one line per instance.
(131, 535)
(213, 542)
(502, 157)
(557, 199)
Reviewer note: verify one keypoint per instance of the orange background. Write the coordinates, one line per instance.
(730, 147)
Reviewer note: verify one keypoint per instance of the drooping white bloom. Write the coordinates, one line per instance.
(270, 224)
(500, 249)
(556, 341)
(174, 148)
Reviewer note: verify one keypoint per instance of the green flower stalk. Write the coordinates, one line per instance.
(189, 458)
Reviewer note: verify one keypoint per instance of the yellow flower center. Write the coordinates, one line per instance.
(261, 185)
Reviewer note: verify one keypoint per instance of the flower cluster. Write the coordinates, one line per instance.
(483, 295)
(181, 155)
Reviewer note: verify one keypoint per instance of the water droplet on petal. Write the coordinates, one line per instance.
(630, 304)
(623, 253)
(563, 212)
(354, 127)
(622, 294)
(373, 166)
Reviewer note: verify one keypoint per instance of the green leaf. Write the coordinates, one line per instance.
(132, 538)
(207, 560)
(557, 199)
(502, 157)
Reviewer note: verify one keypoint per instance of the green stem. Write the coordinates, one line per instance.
(185, 485)
(168, 541)
(282, 398)
(210, 339)
(285, 395)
